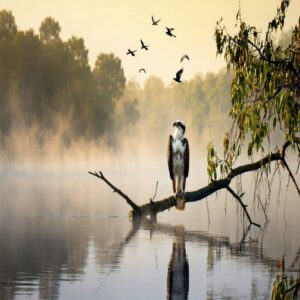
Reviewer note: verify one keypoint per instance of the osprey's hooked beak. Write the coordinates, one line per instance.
(180, 125)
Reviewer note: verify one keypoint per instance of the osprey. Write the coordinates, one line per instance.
(178, 161)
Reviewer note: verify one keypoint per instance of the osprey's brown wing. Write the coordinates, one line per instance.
(170, 157)
(186, 157)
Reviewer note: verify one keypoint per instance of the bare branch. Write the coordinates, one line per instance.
(263, 208)
(298, 167)
(153, 208)
(243, 205)
(152, 199)
(291, 175)
(207, 208)
(116, 190)
(275, 62)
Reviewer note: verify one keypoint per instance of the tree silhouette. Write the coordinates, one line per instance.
(49, 31)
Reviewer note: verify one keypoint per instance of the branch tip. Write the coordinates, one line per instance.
(244, 206)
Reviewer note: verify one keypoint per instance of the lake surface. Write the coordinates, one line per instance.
(68, 236)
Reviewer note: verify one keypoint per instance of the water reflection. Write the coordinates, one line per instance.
(178, 270)
(74, 253)
(34, 253)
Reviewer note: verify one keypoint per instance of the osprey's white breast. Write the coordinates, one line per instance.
(178, 163)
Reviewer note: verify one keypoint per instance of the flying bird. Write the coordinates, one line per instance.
(142, 70)
(146, 47)
(131, 52)
(178, 76)
(154, 22)
(169, 32)
(184, 56)
(178, 162)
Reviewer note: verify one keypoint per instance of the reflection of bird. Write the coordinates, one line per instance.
(178, 270)
(169, 31)
(146, 47)
(178, 161)
(142, 70)
(154, 22)
(178, 75)
(131, 52)
(184, 56)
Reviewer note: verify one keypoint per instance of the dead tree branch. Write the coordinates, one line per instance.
(115, 189)
(291, 175)
(156, 207)
(152, 199)
(238, 198)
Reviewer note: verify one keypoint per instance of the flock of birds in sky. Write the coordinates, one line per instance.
(169, 32)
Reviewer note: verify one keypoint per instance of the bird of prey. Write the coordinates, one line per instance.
(169, 32)
(154, 22)
(178, 76)
(184, 56)
(146, 47)
(131, 52)
(178, 161)
(142, 70)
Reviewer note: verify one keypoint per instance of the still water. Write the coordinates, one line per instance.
(68, 237)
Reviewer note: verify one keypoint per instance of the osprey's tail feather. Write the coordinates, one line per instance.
(174, 185)
(180, 201)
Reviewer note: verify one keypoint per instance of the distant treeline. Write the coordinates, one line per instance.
(203, 103)
(43, 77)
(48, 84)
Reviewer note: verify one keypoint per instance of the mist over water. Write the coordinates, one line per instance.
(67, 235)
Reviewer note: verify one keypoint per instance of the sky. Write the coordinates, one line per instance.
(116, 25)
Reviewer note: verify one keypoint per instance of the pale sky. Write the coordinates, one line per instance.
(116, 25)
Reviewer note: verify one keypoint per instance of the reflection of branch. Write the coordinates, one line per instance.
(115, 259)
(191, 236)
(295, 259)
(237, 197)
(134, 229)
(242, 241)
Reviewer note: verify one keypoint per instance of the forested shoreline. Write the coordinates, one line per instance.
(47, 88)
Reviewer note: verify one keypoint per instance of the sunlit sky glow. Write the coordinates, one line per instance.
(116, 25)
